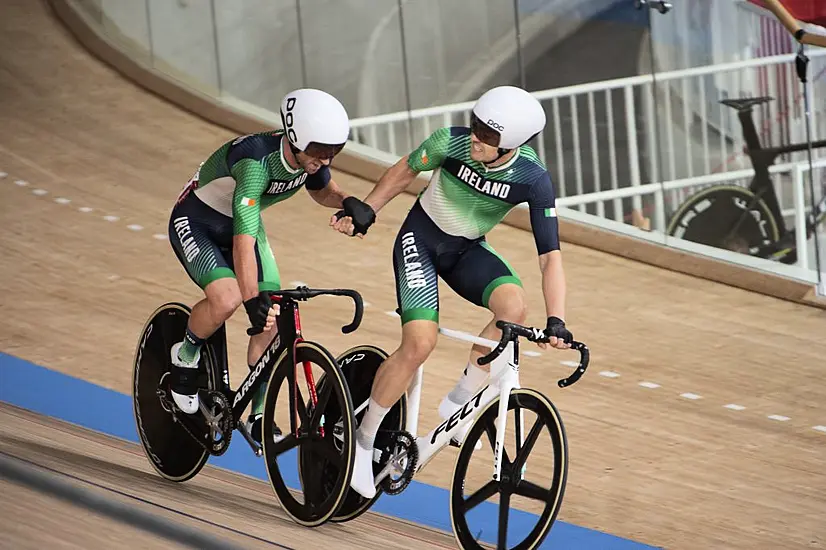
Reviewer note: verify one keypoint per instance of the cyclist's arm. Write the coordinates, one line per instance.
(250, 182)
(545, 226)
(324, 190)
(428, 156)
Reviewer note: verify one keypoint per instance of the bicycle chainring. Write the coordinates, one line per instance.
(404, 455)
(221, 425)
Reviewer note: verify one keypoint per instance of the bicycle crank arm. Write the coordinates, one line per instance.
(256, 448)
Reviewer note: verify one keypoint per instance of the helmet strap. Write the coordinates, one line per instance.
(501, 153)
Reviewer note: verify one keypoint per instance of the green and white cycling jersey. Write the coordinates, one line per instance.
(467, 199)
(247, 175)
(225, 198)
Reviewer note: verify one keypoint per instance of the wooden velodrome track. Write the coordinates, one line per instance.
(647, 463)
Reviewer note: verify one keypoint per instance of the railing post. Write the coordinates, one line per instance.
(800, 218)
(633, 151)
(659, 210)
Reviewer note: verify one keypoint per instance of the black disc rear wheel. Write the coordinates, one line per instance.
(727, 217)
(173, 453)
(359, 366)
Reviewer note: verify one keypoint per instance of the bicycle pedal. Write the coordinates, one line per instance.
(456, 443)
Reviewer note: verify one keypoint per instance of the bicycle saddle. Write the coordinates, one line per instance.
(745, 103)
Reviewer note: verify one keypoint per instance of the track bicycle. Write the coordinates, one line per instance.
(178, 444)
(399, 454)
(746, 220)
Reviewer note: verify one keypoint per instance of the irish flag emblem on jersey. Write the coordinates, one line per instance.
(248, 202)
(550, 212)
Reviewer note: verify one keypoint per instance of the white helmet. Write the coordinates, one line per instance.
(513, 113)
(313, 117)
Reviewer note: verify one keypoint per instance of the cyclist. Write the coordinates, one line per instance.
(479, 174)
(217, 232)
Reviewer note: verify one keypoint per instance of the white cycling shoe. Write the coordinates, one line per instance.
(184, 379)
(362, 480)
(446, 409)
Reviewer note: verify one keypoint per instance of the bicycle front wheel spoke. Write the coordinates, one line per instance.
(480, 496)
(533, 491)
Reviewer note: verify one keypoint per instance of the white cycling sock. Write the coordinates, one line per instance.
(369, 427)
(471, 379)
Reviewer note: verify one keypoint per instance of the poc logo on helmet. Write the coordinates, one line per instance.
(287, 119)
(493, 124)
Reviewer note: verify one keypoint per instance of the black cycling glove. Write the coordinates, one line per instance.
(556, 328)
(360, 212)
(257, 310)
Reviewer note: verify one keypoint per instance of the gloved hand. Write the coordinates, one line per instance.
(258, 311)
(559, 336)
(361, 214)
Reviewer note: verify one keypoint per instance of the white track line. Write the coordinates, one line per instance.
(820, 428)
(111, 218)
(21, 183)
(85, 209)
(3, 175)
(573, 364)
(608, 374)
(532, 353)
(134, 227)
(733, 407)
(39, 192)
(692, 396)
(62, 200)
(778, 417)
(650, 385)
(391, 313)
(298, 283)
(160, 236)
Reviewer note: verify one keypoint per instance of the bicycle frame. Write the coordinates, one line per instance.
(289, 335)
(504, 377)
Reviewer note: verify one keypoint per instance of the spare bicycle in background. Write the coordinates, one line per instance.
(749, 220)
(493, 411)
(179, 444)
(746, 220)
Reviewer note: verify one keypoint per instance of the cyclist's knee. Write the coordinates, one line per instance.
(508, 303)
(418, 342)
(224, 298)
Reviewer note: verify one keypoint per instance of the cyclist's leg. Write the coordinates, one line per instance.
(268, 279)
(418, 300)
(190, 226)
(484, 278)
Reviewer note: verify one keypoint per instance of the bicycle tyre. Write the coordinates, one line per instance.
(708, 216)
(510, 483)
(321, 504)
(169, 448)
(359, 366)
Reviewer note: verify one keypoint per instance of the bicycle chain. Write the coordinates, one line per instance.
(215, 448)
(403, 442)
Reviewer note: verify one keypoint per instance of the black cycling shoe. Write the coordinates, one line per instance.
(254, 422)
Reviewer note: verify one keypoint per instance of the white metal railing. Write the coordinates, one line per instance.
(800, 208)
(614, 134)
